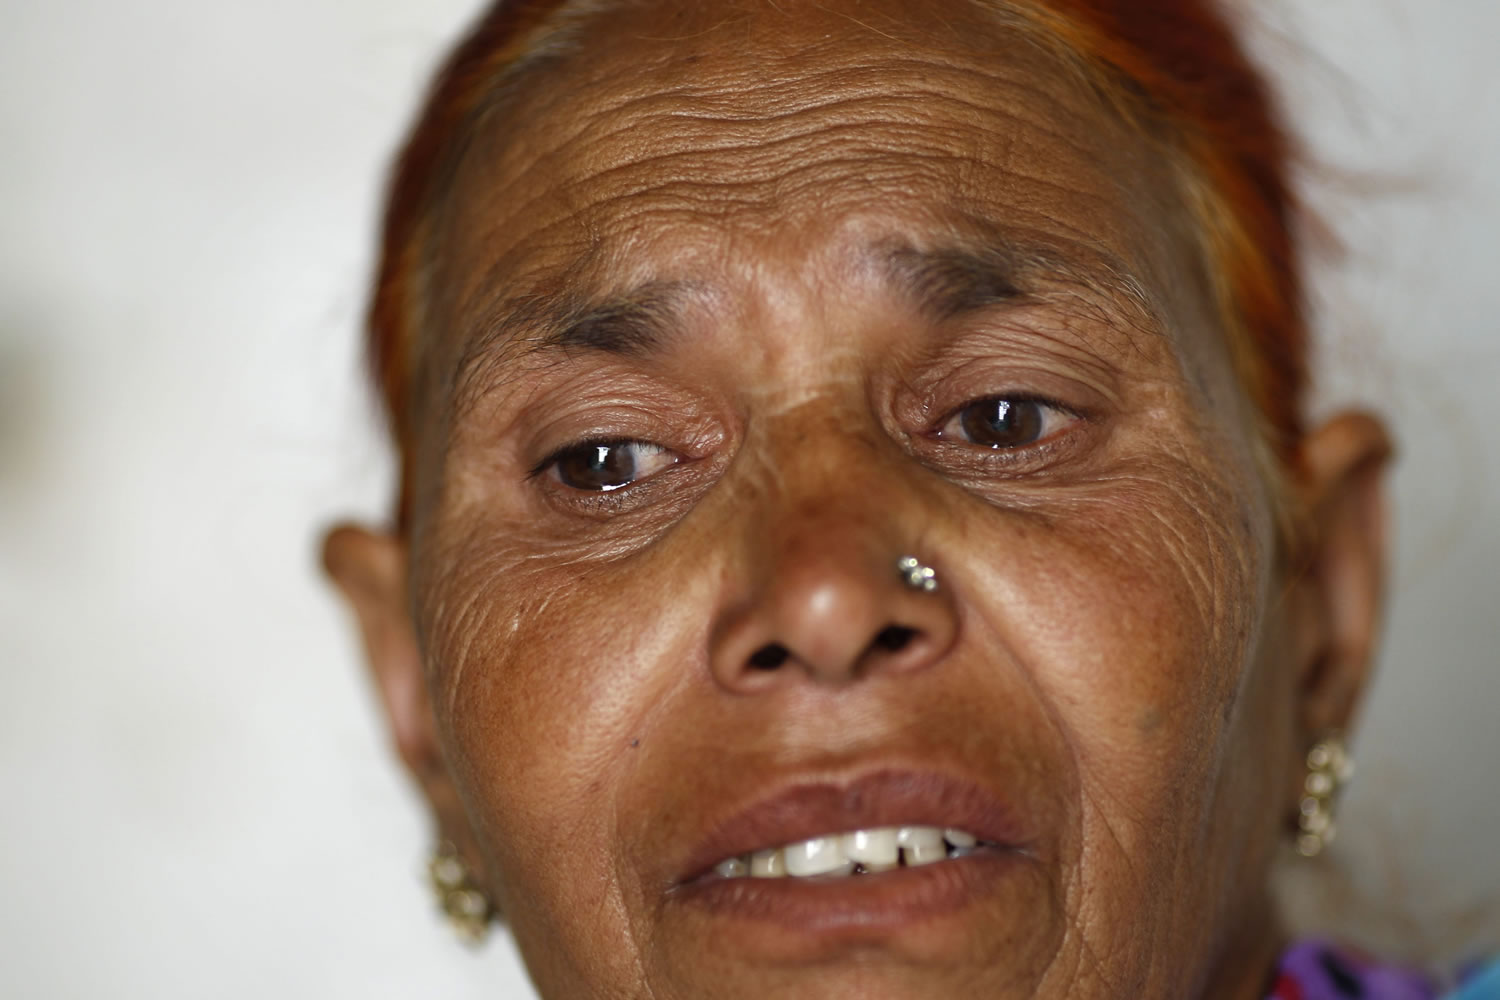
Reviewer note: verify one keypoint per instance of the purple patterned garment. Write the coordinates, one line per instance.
(1317, 970)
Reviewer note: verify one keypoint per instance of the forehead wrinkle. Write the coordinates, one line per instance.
(606, 98)
(760, 143)
(711, 176)
(795, 109)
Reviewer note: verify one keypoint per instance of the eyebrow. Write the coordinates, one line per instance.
(945, 282)
(634, 324)
(948, 282)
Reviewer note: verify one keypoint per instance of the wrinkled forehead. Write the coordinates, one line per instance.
(661, 142)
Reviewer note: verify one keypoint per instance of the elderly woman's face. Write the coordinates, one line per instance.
(731, 312)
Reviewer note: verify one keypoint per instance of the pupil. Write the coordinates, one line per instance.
(598, 467)
(1003, 423)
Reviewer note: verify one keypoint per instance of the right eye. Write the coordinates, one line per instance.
(602, 466)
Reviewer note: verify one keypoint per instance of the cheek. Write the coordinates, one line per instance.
(1134, 607)
(544, 668)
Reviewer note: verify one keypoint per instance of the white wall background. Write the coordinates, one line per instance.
(195, 796)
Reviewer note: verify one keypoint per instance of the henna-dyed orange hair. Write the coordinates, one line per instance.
(1176, 68)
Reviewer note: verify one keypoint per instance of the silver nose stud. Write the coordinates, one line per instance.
(917, 576)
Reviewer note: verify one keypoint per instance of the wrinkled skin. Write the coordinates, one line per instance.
(1117, 648)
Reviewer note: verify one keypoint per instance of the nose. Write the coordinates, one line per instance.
(831, 606)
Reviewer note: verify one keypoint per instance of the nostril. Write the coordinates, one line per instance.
(895, 637)
(769, 657)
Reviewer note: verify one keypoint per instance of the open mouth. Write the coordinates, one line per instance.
(888, 854)
(859, 852)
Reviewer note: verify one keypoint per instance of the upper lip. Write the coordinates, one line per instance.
(805, 808)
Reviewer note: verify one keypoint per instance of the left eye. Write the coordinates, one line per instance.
(601, 466)
(1004, 422)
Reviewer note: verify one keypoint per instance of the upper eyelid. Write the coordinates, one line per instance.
(991, 366)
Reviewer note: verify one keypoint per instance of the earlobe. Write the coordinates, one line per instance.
(1343, 564)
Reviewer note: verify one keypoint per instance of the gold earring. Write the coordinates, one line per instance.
(1329, 768)
(459, 895)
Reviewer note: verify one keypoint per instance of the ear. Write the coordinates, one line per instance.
(1342, 558)
(370, 569)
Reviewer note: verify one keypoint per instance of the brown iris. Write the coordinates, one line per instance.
(1002, 423)
(598, 466)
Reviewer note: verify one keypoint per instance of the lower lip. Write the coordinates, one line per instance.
(857, 907)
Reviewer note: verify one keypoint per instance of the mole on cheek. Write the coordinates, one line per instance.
(1149, 721)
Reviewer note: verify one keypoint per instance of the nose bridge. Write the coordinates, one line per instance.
(834, 498)
(828, 453)
(832, 511)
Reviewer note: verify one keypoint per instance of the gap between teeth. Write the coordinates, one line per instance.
(858, 853)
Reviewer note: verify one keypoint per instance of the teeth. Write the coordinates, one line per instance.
(818, 856)
(875, 850)
(960, 839)
(919, 836)
(921, 855)
(732, 868)
(860, 852)
(768, 864)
